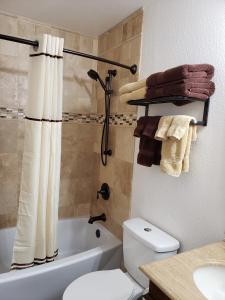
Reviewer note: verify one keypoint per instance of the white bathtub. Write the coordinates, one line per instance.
(80, 252)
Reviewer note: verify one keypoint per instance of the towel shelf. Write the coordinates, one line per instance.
(146, 103)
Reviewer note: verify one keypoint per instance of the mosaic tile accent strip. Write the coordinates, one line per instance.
(119, 119)
(11, 113)
(115, 119)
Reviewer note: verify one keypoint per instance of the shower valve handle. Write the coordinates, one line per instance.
(104, 191)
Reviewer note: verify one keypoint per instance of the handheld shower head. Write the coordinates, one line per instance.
(93, 74)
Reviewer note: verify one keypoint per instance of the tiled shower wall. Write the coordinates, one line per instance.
(83, 106)
(78, 157)
(122, 43)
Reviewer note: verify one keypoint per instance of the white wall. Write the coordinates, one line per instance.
(192, 207)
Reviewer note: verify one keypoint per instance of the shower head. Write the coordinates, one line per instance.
(93, 74)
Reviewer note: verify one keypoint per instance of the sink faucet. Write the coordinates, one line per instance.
(102, 217)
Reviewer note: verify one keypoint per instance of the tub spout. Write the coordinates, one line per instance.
(102, 217)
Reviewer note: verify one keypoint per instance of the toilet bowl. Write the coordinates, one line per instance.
(104, 285)
(142, 243)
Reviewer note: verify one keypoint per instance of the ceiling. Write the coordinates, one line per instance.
(89, 17)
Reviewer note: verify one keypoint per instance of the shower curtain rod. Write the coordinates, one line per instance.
(133, 68)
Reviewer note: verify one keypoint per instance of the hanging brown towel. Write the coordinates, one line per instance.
(149, 148)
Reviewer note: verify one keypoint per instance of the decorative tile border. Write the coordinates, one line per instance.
(11, 113)
(115, 119)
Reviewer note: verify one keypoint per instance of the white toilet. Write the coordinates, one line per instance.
(142, 243)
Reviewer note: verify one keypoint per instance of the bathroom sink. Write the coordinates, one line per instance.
(210, 280)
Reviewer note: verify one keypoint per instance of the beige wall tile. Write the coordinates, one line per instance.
(124, 144)
(95, 46)
(11, 219)
(84, 189)
(3, 221)
(71, 40)
(123, 177)
(20, 136)
(106, 174)
(8, 48)
(83, 210)
(69, 66)
(26, 29)
(102, 42)
(8, 24)
(8, 136)
(131, 28)
(67, 192)
(69, 164)
(8, 90)
(8, 183)
(22, 90)
(8, 63)
(67, 212)
(86, 44)
(9, 198)
(115, 36)
(44, 28)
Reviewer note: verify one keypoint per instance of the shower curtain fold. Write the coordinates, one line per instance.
(35, 241)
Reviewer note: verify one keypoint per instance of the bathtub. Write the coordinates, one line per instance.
(83, 248)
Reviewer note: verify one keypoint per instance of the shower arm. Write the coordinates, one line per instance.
(132, 68)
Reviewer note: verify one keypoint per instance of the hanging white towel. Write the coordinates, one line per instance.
(176, 135)
(35, 241)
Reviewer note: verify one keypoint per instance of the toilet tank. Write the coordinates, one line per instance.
(144, 243)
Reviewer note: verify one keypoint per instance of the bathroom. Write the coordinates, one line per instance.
(189, 210)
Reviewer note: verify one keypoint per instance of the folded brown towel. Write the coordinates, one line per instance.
(181, 72)
(196, 90)
(149, 148)
(190, 83)
(202, 94)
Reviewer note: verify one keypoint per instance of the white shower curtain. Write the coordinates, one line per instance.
(35, 241)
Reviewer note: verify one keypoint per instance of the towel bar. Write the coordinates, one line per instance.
(146, 103)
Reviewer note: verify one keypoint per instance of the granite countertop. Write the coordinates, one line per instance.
(174, 275)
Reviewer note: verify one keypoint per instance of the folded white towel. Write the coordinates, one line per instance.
(135, 95)
(132, 86)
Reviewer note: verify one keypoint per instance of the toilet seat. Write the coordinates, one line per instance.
(101, 285)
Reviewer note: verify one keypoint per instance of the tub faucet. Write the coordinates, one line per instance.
(102, 217)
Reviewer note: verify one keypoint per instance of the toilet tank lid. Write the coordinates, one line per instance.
(151, 236)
